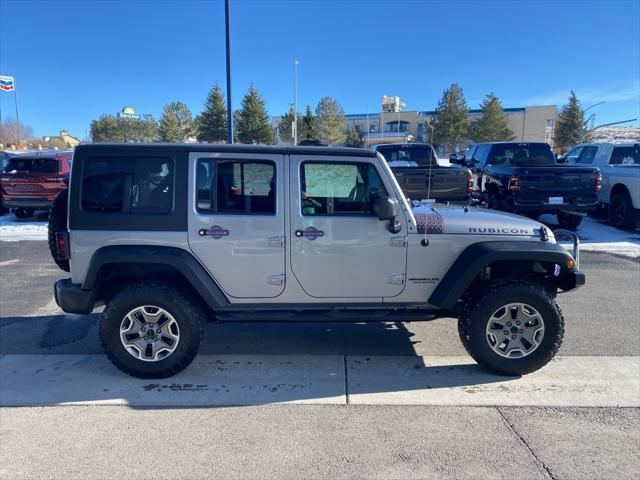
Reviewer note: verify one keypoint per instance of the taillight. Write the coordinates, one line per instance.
(469, 183)
(62, 245)
(598, 185)
(514, 184)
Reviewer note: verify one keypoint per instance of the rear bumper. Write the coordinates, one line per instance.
(578, 205)
(26, 202)
(71, 298)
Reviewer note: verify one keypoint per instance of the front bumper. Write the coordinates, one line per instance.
(71, 298)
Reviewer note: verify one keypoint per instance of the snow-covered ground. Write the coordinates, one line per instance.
(595, 235)
(14, 230)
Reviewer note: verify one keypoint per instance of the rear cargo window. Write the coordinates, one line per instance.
(32, 165)
(521, 154)
(339, 188)
(625, 156)
(236, 186)
(128, 185)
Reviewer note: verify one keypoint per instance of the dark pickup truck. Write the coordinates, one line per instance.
(416, 168)
(525, 178)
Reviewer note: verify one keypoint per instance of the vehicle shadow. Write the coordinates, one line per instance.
(51, 360)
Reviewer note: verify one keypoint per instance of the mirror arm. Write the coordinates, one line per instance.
(394, 226)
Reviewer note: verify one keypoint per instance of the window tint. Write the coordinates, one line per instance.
(32, 165)
(236, 186)
(588, 155)
(521, 154)
(420, 154)
(625, 156)
(574, 154)
(340, 188)
(128, 185)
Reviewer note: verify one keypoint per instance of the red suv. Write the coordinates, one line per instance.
(31, 181)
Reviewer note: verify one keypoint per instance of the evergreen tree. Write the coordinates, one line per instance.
(252, 120)
(569, 124)
(146, 129)
(212, 123)
(105, 129)
(285, 130)
(493, 126)
(330, 121)
(176, 123)
(309, 129)
(353, 138)
(451, 122)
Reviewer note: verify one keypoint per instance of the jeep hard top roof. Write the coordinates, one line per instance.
(234, 148)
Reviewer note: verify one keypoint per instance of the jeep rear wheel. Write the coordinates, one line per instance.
(151, 330)
(512, 326)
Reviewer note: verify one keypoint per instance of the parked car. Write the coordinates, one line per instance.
(164, 234)
(416, 168)
(523, 177)
(619, 164)
(31, 181)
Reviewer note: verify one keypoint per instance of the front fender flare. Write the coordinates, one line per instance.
(477, 256)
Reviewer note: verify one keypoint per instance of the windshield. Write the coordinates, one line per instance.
(420, 154)
(521, 154)
(32, 165)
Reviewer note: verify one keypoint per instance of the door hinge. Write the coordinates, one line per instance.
(276, 242)
(399, 241)
(397, 279)
(276, 279)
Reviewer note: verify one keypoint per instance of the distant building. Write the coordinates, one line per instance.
(64, 138)
(392, 124)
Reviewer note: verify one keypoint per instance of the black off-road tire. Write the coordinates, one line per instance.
(58, 223)
(621, 212)
(568, 221)
(479, 307)
(23, 212)
(186, 311)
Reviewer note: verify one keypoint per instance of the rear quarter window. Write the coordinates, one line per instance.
(625, 155)
(128, 185)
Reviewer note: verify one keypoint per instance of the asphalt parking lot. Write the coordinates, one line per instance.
(318, 400)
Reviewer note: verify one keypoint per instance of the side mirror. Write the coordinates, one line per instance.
(562, 158)
(453, 158)
(387, 208)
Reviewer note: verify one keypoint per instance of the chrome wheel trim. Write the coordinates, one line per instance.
(149, 333)
(515, 330)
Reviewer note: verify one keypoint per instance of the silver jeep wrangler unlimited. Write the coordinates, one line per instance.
(167, 236)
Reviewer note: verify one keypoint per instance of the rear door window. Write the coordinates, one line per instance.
(625, 155)
(236, 186)
(339, 188)
(128, 185)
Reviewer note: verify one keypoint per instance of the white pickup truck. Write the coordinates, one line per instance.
(619, 164)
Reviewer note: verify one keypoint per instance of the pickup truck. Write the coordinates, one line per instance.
(620, 167)
(416, 169)
(523, 177)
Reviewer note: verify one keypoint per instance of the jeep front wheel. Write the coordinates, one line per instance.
(151, 330)
(513, 327)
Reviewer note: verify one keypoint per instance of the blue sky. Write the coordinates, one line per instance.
(76, 60)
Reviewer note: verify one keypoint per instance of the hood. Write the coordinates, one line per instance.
(474, 221)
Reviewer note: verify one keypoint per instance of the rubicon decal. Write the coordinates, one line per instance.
(311, 233)
(429, 223)
(214, 231)
(509, 231)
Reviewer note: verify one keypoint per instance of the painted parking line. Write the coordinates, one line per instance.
(566, 381)
(209, 381)
(320, 379)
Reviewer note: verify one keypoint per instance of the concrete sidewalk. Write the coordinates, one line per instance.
(228, 380)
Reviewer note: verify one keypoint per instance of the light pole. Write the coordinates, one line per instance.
(295, 102)
(229, 111)
(582, 129)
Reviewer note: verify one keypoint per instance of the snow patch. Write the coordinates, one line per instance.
(15, 230)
